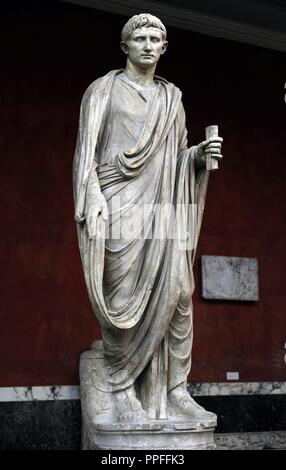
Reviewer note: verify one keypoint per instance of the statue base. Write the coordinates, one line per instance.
(148, 436)
(102, 430)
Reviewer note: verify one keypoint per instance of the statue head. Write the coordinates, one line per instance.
(144, 20)
(143, 39)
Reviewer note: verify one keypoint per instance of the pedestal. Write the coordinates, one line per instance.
(101, 428)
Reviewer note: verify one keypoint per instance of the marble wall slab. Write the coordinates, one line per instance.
(230, 278)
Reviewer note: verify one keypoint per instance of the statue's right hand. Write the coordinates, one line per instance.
(94, 210)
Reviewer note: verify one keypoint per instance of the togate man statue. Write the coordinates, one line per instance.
(139, 196)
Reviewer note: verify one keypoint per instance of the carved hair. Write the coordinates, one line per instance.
(144, 20)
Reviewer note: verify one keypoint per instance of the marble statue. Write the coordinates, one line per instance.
(139, 194)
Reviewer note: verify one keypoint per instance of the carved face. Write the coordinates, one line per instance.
(145, 46)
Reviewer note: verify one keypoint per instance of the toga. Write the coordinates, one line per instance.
(140, 281)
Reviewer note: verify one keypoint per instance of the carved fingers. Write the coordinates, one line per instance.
(91, 221)
(95, 210)
(212, 147)
(209, 148)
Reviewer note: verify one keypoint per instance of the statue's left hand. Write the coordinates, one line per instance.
(210, 147)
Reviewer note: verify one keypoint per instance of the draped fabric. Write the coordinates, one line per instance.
(140, 284)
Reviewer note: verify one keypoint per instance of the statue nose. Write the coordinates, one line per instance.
(148, 46)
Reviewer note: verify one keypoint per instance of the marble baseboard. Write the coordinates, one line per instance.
(247, 413)
(48, 393)
(40, 425)
(71, 392)
(237, 388)
(56, 423)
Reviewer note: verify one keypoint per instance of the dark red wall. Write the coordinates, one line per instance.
(49, 56)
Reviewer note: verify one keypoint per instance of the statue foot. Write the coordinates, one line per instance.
(129, 407)
(184, 406)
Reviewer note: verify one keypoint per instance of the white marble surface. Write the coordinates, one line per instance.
(230, 278)
(238, 388)
(48, 393)
(71, 392)
(132, 158)
(251, 441)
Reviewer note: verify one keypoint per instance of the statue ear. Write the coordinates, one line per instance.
(124, 47)
(164, 48)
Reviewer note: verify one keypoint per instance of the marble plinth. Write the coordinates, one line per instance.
(148, 436)
(101, 428)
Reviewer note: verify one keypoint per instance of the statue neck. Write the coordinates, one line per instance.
(141, 76)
